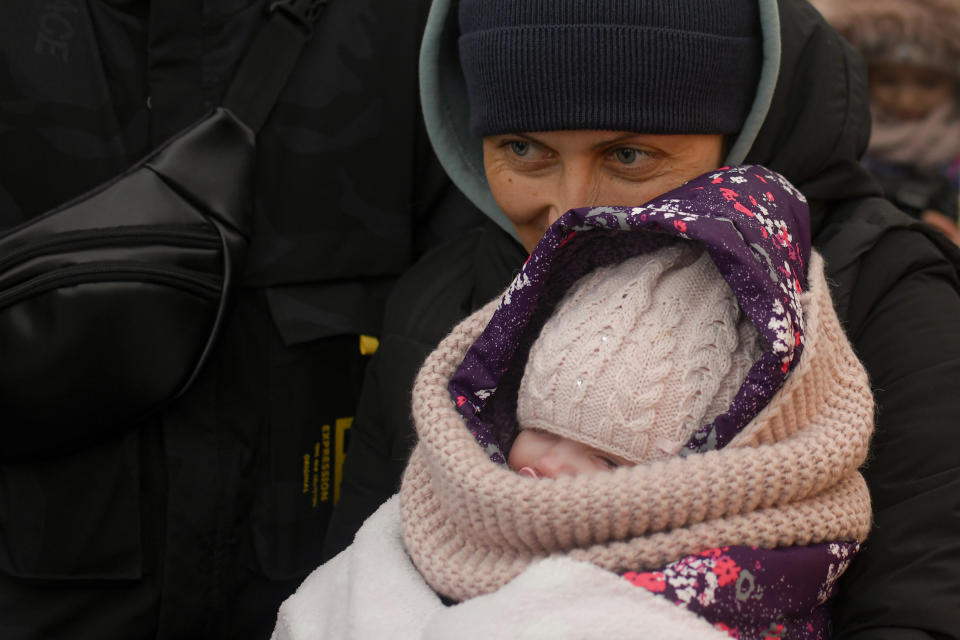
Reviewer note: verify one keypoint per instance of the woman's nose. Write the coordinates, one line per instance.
(555, 212)
(908, 102)
(577, 188)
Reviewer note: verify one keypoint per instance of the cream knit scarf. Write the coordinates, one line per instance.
(789, 478)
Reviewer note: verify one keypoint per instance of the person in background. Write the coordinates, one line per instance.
(894, 280)
(912, 50)
(199, 521)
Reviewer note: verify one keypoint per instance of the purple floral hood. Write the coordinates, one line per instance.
(753, 223)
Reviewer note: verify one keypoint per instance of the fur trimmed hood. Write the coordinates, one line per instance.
(923, 33)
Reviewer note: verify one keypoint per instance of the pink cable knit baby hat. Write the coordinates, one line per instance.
(637, 356)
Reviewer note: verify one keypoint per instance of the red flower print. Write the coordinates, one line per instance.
(461, 400)
(650, 580)
(761, 178)
(730, 631)
(742, 209)
(717, 180)
(567, 239)
(783, 237)
(728, 194)
(680, 225)
(770, 197)
(727, 571)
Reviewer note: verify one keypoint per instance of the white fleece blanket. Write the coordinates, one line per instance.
(372, 591)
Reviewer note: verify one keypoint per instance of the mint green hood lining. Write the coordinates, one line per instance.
(443, 93)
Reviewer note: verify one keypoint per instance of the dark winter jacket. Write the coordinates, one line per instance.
(896, 288)
(198, 522)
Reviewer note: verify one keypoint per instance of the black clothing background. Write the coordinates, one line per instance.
(200, 521)
(916, 191)
(901, 315)
(896, 288)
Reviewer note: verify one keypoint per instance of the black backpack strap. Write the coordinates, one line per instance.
(269, 61)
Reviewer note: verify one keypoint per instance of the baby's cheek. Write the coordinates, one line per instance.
(514, 456)
(525, 449)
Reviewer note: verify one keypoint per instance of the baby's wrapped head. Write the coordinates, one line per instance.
(636, 357)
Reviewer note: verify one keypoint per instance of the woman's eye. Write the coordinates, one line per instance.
(931, 82)
(630, 156)
(525, 154)
(883, 80)
(519, 147)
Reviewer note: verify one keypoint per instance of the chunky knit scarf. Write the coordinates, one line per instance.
(789, 478)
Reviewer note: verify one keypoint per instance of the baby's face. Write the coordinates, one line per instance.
(539, 454)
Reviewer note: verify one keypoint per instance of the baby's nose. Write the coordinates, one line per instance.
(553, 465)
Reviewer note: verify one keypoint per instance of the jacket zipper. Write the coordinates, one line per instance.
(96, 238)
(114, 272)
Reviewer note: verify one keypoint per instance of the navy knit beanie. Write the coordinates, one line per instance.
(650, 66)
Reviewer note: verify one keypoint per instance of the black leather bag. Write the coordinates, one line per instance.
(110, 304)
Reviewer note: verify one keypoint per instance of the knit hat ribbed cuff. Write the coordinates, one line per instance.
(648, 80)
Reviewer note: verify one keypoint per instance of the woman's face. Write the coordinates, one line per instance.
(907, 92)
(537, 177)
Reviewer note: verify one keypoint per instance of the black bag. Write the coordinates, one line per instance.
(110, 304)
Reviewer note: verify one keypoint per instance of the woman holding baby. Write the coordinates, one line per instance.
(684, 176)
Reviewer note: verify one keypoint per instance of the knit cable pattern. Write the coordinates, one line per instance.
(561, 390)
(790, 477)
(625, 365)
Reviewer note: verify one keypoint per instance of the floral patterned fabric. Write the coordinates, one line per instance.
(753, 223)
(741, 589)
(755, 226)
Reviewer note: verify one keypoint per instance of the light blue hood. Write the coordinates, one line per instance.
(443, 94)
